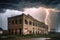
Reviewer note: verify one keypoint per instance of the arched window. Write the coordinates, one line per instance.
(30, 22)
(26, 22)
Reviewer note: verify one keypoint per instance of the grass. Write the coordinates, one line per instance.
(28, 36)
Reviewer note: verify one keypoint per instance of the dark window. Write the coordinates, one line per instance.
(20, 21)
(20, 31)
(36, 24)
(9, 31)
(26, 22)
(30, 32)
(15, 31)
(9, 22)
(12, 31)
(12, 21)
(33, 24)
(30, 22)
(15, 21)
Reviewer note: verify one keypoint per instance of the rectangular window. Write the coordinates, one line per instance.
(36, 24)
(20, 21)
(9, 22)
(30, 22)
(12, 21)
(33, 24)
(26, 22)
(15, 21)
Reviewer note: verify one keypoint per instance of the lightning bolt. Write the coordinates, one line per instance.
(47, 14)
(48, 11)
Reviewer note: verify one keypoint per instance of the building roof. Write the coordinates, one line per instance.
(27, 16)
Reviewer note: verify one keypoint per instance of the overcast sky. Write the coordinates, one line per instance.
(45, 11)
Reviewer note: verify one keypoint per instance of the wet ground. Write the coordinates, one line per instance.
(29, 39)
(34, 39)
(21, 38)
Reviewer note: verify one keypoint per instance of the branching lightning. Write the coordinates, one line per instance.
(47, 19)
(48, 10)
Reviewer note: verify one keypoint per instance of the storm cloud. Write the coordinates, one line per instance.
(21, 4)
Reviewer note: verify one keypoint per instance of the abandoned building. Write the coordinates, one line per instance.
(26, 24)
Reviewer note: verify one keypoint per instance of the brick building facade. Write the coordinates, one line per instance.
(26, 24)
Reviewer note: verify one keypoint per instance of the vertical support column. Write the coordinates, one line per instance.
(18, 31)
(23, 23)
(14, 31)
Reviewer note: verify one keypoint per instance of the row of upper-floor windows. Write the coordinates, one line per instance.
(15, 21)
(20, 22)
(32, 23)
(35, 24)
(26, 22)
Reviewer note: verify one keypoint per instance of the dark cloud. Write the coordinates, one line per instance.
(8, 4)
(32, 1)
(46, 2)
(14, 4)
(58, 21)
